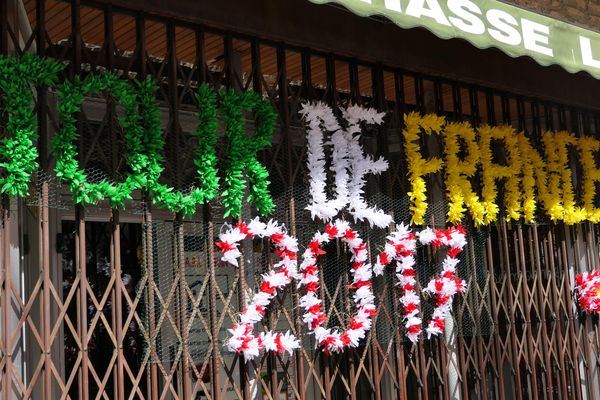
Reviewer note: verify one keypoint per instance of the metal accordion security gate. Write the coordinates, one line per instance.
(134, 303)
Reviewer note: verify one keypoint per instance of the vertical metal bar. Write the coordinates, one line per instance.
(596, 118)
(6, 300)
(380, 103)
(400, 99)
(44, 260)
(200, 56)
(42, 91)
(215, 364)
(307, 91)
(474, 100)
(575, 125)
(549, 117)
(3, 27)
(457, 101)
(331, 98)
(109, 42)
(422, 371)
(532, 370)
(438, 98)
(512, 309)
(592, 260)
(117, 291)
(229, 65)
(187, 391)
(419, 94)
(556, 300)
(297, 315)
(563, 260)
(355, 94)
(152, 333)
(83, 287)
(80, 217)
(585, 123)
(331, 94)
(300, 373)
(490, 107)
(537, 126)
(562, 118)
(284, 113)
(152, 376)
(325, 358)
(256, 67)
(378, 90)
(399, 363)
(140, 42)
(399, 92)
(271, 358)
(76, 37)
(173, 85)
(578, 268)
(118, 305)
(177, 136)
(44, 229)
(285, 133)
(244, 370)
(521, 125)
(549, 300)
(505, 104)
(214, 320)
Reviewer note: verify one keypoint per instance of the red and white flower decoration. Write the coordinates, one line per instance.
(243, 339)
(587, 290)
(401, 249)
(334, 340)
(444, 288)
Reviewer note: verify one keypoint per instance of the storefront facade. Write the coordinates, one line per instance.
(135, 302)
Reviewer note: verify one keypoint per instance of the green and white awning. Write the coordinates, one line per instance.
(491, 23)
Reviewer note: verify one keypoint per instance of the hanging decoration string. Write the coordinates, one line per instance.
(205, 156)
(242, 157)
(242, 337)
(444, 288)
(349, 164)
(587, 291)
(418, 166)
(71, 95)
(18, 152)
(400, 249)
(318, 118)
(334, 340)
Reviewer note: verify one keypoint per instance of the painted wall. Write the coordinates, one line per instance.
(585, 13)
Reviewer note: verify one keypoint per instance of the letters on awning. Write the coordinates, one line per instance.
(491, 23)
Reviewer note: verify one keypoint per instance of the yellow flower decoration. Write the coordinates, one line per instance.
(591, 175)
(533, 171)
(491, 172)
(560, 184)
(418, 167)
(459, 190)
(531, 179)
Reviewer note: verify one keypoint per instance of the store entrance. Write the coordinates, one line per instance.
(102, 308)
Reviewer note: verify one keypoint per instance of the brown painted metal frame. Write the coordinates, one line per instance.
(540, 348)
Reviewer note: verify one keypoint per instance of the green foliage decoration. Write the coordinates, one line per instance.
(205, 155)
(242, 159)
(143, 137)
(18, 153)
(68, 170)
